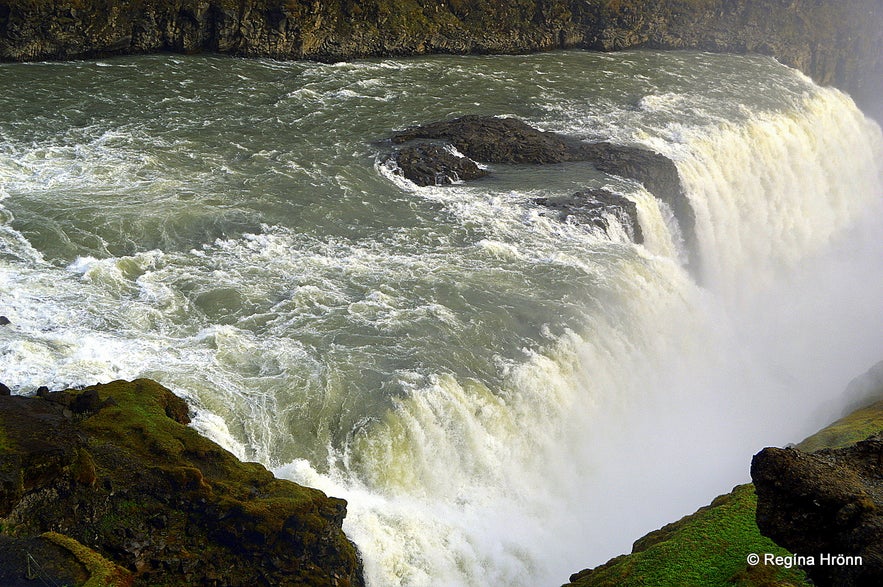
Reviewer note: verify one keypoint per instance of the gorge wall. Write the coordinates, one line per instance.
(836, 43)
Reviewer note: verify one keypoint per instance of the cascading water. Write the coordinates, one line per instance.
(501, 397)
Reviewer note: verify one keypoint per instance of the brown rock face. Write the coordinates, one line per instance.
(114, 469)
(823, 504)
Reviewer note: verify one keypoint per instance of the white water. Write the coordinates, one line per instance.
(501, 454)
(642, 417)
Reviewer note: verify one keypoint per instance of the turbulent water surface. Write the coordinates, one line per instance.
(501, 397)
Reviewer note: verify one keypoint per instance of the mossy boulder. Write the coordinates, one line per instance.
(55, 559)
(121, 474)
(825, 504)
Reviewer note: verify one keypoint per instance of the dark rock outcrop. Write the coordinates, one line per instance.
(823, 504)
(428, 164)
(490, 139)
(594, 207)
(837, 43)
(113, 471)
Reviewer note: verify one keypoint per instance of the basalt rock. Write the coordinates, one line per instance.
(491, 139)
(112, 471)
(495, 140)
(822, 504)
(836, 43)
(428, 164)
(595, 207)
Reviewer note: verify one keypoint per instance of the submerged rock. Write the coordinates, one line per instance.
(825, 504)
(114, 470)
(595, 207)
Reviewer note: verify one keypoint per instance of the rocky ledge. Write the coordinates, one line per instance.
(443, 152)
(108, 485)
(825, 507)
(594, 207)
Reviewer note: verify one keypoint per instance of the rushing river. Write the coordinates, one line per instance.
(502, 398)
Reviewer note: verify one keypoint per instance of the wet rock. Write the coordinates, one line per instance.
(498, 140)
(113, 471)
(489, 139)
(823, 504)
(5, 390)
(4, 321)
(595, 207)
(428, 164)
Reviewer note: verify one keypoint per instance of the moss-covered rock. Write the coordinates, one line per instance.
(114, 469)
(825, 505)
(859, 425)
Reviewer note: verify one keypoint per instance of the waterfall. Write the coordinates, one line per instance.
(651, 408)
(501, 397)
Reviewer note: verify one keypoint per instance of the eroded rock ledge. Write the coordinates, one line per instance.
(825, 504)
(111, 473)
(836, 43)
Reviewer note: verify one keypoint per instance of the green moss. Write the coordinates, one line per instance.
(705, 549)
(140, 424)
(709, 547)
(131, 481)
(857, 426)
(102, 572)
(83, 468)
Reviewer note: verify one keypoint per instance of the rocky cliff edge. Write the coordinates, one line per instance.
(108, 486)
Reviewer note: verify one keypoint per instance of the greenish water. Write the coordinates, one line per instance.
(472, 375)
